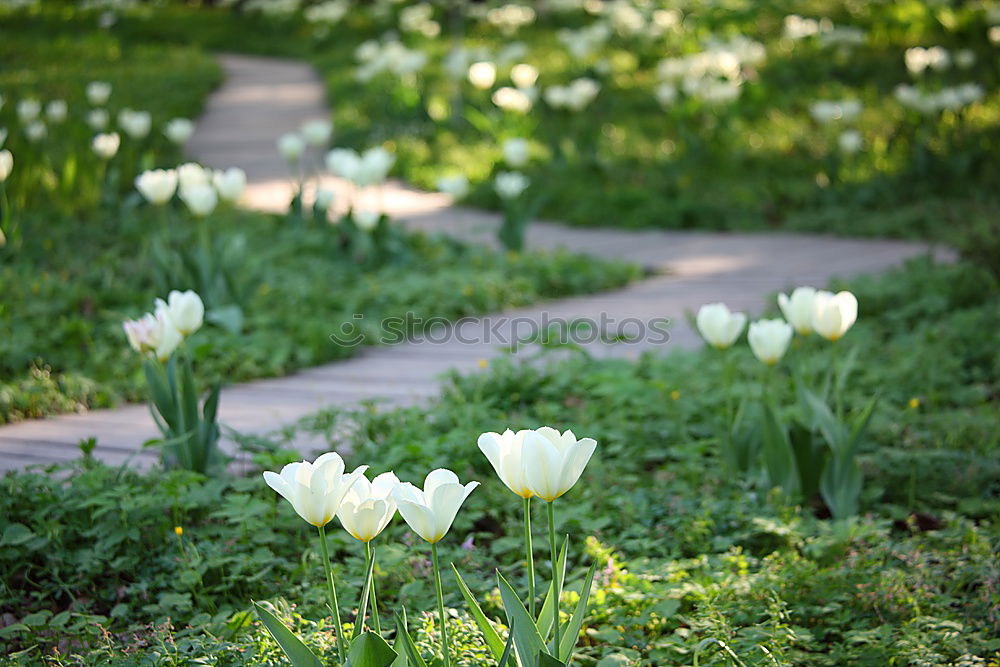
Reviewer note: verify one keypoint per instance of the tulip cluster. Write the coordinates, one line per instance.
(198, 187)
(160, 332)
(545, 463)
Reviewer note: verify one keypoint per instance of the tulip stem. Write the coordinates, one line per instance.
(440, 597)
(331, 591)
(530, 555)
(556, 584)
(374, 601)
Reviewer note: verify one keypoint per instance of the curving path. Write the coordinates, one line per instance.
(262, 99)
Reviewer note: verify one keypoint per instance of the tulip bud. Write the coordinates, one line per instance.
(516, 152)
(719, 327)
(431, 511)
(315, 489)
(56, 111)
(523, 75)
(291, 146)
(179, 130)
(483, 74)
(798, 309)
(28, 110)
(157, 186)
(553, 461)
(105, 146)
(97, 119)
(153, 334)
(190, 174)
(35, 131)
(368, 507)
(98, 92)
(375, 165)
(201, 198)
(510, 184)
(185, 310)
(6, 164)
(456, 185)
(324, 199)
(230, 183)
(834, 314)
(136, 124)
(769, 340)
(343, 162)
(317, 132)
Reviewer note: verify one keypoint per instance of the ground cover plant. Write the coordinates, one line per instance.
(84, 250)
(709, 566)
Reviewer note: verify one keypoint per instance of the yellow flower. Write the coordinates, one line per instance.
(483, 363)
(675, 394)
(178, 531)
(914, 403)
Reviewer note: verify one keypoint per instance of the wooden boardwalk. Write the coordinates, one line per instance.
(264, 98)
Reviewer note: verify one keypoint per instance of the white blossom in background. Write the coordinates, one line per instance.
(523, 75)
(483, 74)
(56, 111)
(6, 164)
(35, 131)
(98, 92)
(105, 146)
(230, 183)
(456, 185)
(827, 111)
(509, 18)
(374, 166)
(330, 12)
(317, 132)
(510, 184)
(918, 59)
(157, 186)
(575, 96)
(324, 199)
(951, 98)
(585, 42)
(97, 119)
(136, 124)
(191, 173)
(512, 52)
(516, 152)
(850, 142)
(343, 162)
(178, 130)
(666, 94)
(200, 198)
(513, 99)
(291, 146)
(366, 220)
(418, 18)
(28, 110)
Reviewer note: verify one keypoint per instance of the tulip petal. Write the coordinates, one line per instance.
(542, 466)
(419, 518)
(436, 478)
(576, 460)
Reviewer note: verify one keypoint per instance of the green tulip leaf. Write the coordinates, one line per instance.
(408, 645)
(507, 648)
(545, 614)
(370, 650)
(298, 653)
(527, 641)
(493, 640)
(572, 630)
(546, 660)
(779, 460)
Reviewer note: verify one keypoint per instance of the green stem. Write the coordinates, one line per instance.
(530, 555)
(331, 591)
(374, 600)
(440, 597)
(556, 584)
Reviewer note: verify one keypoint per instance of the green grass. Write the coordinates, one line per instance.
(688, 551)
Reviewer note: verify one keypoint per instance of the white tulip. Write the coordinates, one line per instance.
(523, 75)
(368, 507)
(456, 185)
(834, 314)
(798, 309)
(56, 111)
(6, 164)
(506, 454)
(97, 119)
(719, 327)
(431, 511)
(510, 184)
(483, 74)
(153, 334)
(850, 141)
(98, 92)
(513, 99)
(28, 110)
(366, 220)
(344, 162)
(178, 130)
(157, 186)
(324, 199)
(201, 198)
(291, 146)
(769, 339)
(554, 461)
(516, 152)
(230, 183)
(315, 489)
(185, 310)
(190, 174)
(136, 124)
(317, 132)
(375, 165)
(105, 146)
(35, 131)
